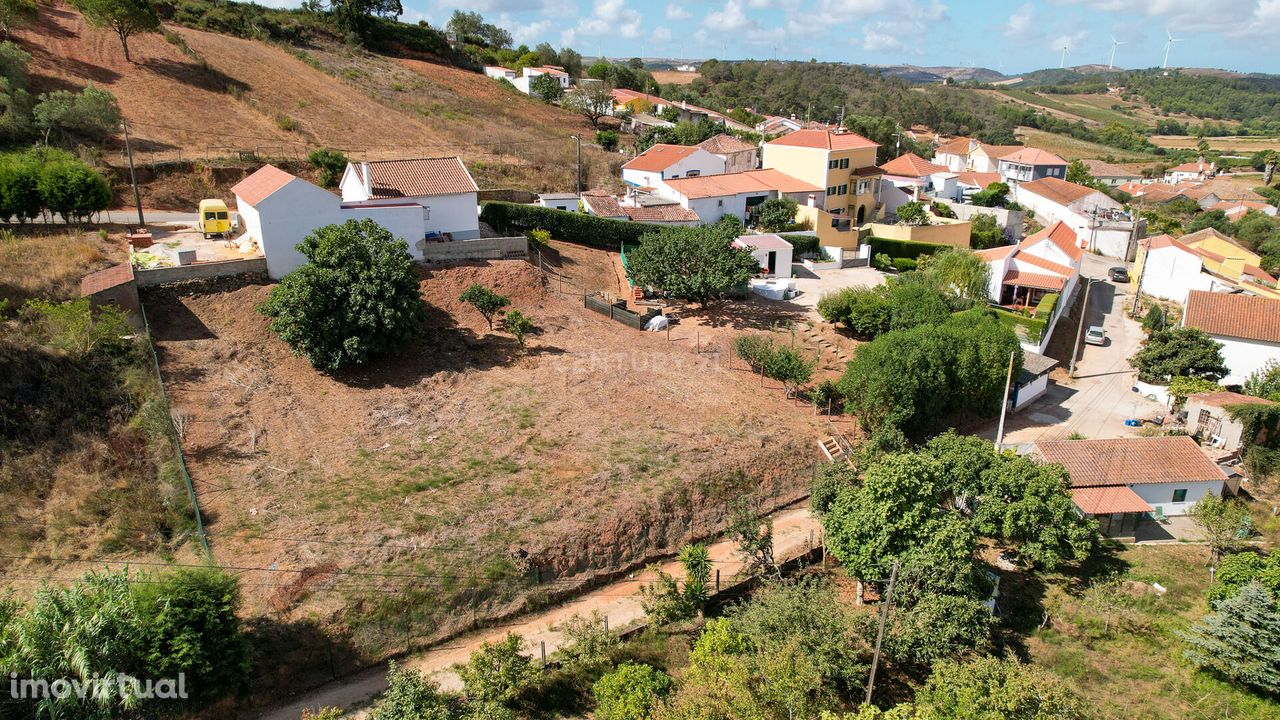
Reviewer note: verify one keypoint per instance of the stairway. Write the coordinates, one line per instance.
(832, 449)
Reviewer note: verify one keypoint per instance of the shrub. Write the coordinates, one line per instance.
(357, 297)
(1180, 351)
(91, 113)
(630, 692)
(1154, 319)
(286, 123)
(19, 188)
(578, 228)
(485, 301)
(538, 237)
(607, 139)
(802, 244)
(993, 196)
(777, 214)
(73, 190)
(518, 325)
(411, 696)
(904, 264)
(913, 213)
(330, 164)
(780, 362)
(984, 232)
(1240, 640)
(903, 248)
(696, 264)
(499, 672)
(942, 209)
(882, 262)
(590, 645)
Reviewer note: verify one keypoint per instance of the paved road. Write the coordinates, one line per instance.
(1099, 399)
(794, 533)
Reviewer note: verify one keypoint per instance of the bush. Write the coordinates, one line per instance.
(630, 692)
(330, 163)
(993, 196)
(779, 362)
(607, 139)
(777, 214)
(942, 209)
(538, 237)
(578, 228)
(499, 672)
(902, 264)
(1154, 319)
(487, 302)
(356, 298)
(903, 248)
(19, 188)
(802, 245)
(882, 262)
(73, 190)
(91, 113)
(696, 264)
(984, 232)
(1179, 351)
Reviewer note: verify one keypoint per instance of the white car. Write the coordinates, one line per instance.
(1095, 335)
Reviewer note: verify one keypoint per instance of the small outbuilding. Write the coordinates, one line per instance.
(1210, 421)
(771, 251)
(1033, 381)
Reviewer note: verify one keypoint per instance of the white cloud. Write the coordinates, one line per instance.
(730, 18)
(661, 34)
(1232, 18)
(611, 17)
(1021, 23)
(676, 13)
(530, 33)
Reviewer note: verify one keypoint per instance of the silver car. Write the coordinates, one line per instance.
(1095, 335)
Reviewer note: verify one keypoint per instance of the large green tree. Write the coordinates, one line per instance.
(1240, 640)
(697, 264)
(124, 17)
(1180, 351)
(357, 297)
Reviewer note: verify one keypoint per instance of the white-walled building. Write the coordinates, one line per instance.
(1084, 209)
(1248, 327)
(1171, 269)
(1046, 262)
(1118, 481)
(559, 201)
(662, 162)
(738, 154)
(278, 210)
(737, 194)
(1030, 164)
(442, 187)
(1195, 171)
(772, 252)
(1110, 174)
(497, 72)
(524, 83)
(909, 178)
(966, 154)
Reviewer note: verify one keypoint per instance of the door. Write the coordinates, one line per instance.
(773, 262)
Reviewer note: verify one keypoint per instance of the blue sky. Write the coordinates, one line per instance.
(1007, 36)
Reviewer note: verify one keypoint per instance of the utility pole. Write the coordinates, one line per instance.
(1137, 291)
(1084, 310)
(1004, 407)
(578, 140)
(884, 615)
(133, 176)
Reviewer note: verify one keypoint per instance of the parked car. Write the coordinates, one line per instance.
(1095, 335)
(1119, 274)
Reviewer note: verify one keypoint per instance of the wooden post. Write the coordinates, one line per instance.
(544, 652)
(717, 579)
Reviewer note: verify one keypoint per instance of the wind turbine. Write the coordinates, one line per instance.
(1066, 48)
(1167, 46)
(1114, 44)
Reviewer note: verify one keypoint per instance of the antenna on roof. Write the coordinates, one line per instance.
(1168, 46)
(1066, 48)
(1114, 44)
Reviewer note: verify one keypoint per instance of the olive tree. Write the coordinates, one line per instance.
(124, 17)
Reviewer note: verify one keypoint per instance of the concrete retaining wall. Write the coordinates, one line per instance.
(507, 248)
(199, 271)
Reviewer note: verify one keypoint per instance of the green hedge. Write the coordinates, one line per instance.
(1046, 306)
(801, 244)
(903, 248)
(574, 227)
(1034, 327)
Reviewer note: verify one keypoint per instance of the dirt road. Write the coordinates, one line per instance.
(795, 532)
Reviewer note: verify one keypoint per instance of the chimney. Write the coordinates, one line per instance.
(368, 185)
(812, 200)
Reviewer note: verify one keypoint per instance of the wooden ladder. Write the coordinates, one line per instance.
(833, 450)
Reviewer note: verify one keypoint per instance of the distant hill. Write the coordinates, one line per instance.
(918, 74)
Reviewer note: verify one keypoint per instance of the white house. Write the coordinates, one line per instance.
(1118, 481)
(1197, 171)
(966, 154)
(1046, 262)
(737, 194)
(910, 178)
(1030, 164)
(637, 101)
(524, 83)
(1096, 219)
(1236, 209)
(1248, 327)
(278, 210)
(1169, 269)
(651, 168)
(772, 252)
(1033, 381)
(497, 72)
(738, 155)
(441, 186)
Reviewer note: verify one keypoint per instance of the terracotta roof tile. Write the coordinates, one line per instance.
(1100, 169)
(1130, 461)
(725, 144)
(603, 204)
(1033, 156)
(1230, 189)
(823, 140)
(660, 213)
(977, 179)
(1044, 264)
(762, 242)
(1059, 191)
(742, 182)
(419, 177)
(660, 157)
(1234, 315)
(999, 152)
(114, 276)
(1222, 398)
(261, 184)
(954, 146)
(1059, 234)
(996, 253)
(1107, 500)
(912, 165)
(1191, 167)
(1034, 280)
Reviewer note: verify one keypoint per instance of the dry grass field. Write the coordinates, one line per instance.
(675, 77)
(1245, 145)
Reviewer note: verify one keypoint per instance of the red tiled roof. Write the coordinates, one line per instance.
(1033, 156)
(999, 152)
(741, 182)
(977, 179)
(1059, 191)
(725, 144)
(1233, 315)
(1059, 234)
(261, 184)
(660, 213)
(114, 276)
(911, 165)
(1101, 169)
(1222, 398)
(996, 253)
(823, 140)
(1044, 264)
(419, 177)
(660, 157)
(954, 146)
(1034, 280)
(622, 96)
(1191, 167)
(1107, 500)
(1258, 273)
(603, 204)
(1163, 241)
(1130, 461)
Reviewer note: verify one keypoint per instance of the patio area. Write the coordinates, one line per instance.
(1178, 528)
(171, 239)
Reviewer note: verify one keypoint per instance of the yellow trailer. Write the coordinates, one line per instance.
(215, 219)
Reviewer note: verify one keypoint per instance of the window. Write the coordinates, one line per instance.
(1179, 496)
(720, 203)
(832, 190)
(222, 215)
(833, 164)
(1203, 418)
(693, 173)
(844, 190)
(844, 163)
(864, 186)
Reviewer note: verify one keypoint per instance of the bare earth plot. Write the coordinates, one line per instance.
(462, 465)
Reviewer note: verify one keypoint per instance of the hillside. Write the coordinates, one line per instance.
(192, 94)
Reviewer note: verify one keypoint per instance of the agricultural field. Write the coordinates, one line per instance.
(1091, 108)
(675, 77)
(1070, 148)
(1246, 145)
(479, 476)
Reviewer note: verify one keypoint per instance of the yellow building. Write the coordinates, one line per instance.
(842, 162)
(1222, 255)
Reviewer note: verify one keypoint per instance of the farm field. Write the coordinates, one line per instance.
(1243, 144)
(466, 468)
(1070, 148)
(675, 77)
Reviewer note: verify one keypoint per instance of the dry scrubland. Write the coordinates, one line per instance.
(462, 462)
(226, 94)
